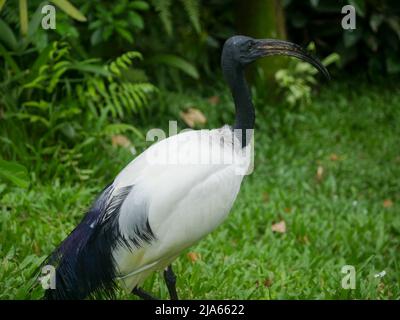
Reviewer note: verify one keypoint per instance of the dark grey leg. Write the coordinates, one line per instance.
(170, 280)
(143, 294)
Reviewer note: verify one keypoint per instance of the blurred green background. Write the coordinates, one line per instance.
(76, 103)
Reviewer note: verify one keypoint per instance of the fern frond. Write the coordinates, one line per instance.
(163, 7)
(123, 62)
(116, 94)
(192, 9)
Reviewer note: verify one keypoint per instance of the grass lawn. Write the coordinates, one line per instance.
(330, 171)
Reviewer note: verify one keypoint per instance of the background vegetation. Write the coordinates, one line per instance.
(77, 101)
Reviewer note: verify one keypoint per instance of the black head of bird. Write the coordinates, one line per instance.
(239, 51)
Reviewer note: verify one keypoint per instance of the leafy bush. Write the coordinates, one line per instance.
(118, 21)
(63, 104)
(374, 44)
(55, 104)
(191, 7)
(297, 80)
(128, 25)
(184, 37)
(14, 172)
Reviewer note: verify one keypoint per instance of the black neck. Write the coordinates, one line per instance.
(245, 116)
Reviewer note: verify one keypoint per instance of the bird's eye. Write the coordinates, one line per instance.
(250, 45)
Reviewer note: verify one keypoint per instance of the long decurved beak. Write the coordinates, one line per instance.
(270, 47)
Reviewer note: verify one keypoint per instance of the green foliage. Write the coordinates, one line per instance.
(196, 42)
(297, 80)
(115, 93)
(17, 275)
(64, 5)
(69, 9)
(193, 11)
(114, 21)
(163, 7)
(15, 173)
(176, 62)
(11, 39)
(374, 44)
(115, 28)
(65, 106)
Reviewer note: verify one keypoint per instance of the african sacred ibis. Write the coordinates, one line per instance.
(169, 197)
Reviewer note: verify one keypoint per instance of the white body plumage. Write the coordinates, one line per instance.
(185, 185)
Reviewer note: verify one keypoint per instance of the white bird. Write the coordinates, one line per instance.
(169, 197)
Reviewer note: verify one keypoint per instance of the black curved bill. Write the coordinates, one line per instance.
(270, 47)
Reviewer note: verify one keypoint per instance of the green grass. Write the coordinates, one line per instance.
(337, 219)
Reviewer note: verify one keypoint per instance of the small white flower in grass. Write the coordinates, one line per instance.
(380, 274)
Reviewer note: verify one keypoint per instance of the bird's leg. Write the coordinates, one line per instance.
(170, 280)
(143, 294)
